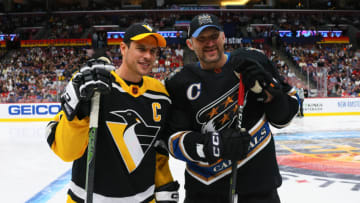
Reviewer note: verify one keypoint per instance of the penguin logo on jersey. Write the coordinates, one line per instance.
(133, 136)
(193, 91)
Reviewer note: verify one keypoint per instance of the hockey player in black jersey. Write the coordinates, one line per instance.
(203, 118)
(131, 165)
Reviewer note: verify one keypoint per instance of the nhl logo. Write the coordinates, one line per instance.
(204, 19)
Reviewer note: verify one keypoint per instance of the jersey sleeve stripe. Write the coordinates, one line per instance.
(176, 146)
(157, 97)
(80, 192)
(292, 92)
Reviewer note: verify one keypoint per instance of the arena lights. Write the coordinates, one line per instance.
(310, 33)
(166, 34)
(115, 35)
(234, 3)
(3, 37)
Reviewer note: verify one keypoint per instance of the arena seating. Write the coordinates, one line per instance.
(38, 74)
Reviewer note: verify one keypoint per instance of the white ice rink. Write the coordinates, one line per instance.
(31, 172)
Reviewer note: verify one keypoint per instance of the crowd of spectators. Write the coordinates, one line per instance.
(29, 76)
(40, 74)
(339, 64)
(64, 28)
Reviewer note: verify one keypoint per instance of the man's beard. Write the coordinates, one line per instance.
(206, 60)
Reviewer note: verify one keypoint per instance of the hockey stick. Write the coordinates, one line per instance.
(90, 164)
(233, 178)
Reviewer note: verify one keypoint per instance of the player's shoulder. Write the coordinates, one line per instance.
(180, 77)
(182, 73)
(174, 73)
(154, 85)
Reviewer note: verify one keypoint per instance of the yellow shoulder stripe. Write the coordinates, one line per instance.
(148, 84)
(154, 85)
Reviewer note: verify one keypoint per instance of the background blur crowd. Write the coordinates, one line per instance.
(39, 73)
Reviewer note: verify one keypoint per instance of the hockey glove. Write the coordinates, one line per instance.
(257, 79)
(70, 98)
(75, 100)
(167, 193)
(230, 144)
(96, 76)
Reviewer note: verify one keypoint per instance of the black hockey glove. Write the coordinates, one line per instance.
(96, 76)
(71, 100)
(167, 193)
(230, 144)
(75, 100)
(257, 79)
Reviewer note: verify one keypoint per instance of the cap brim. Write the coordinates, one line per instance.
(200, 29)
(160, 39)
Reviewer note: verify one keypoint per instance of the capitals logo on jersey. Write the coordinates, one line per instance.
(133, 137)
(220, 113)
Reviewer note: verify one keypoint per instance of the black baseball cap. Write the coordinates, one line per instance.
(139, 31)
(202, 21)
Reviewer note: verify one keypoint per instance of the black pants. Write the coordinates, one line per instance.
(270, 197)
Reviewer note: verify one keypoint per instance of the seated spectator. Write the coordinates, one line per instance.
(11, 98)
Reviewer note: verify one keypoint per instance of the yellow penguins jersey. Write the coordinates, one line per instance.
(128, 166)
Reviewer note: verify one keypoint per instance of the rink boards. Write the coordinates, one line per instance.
(23, 112)
(319, 157)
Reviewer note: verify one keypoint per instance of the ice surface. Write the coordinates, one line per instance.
(30, 171)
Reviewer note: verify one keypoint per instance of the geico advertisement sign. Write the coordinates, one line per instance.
(29, 110)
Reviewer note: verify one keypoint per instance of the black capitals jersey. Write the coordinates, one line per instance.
(206, 101)
(128, 168)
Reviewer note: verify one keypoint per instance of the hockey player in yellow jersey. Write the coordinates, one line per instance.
(131, 165)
